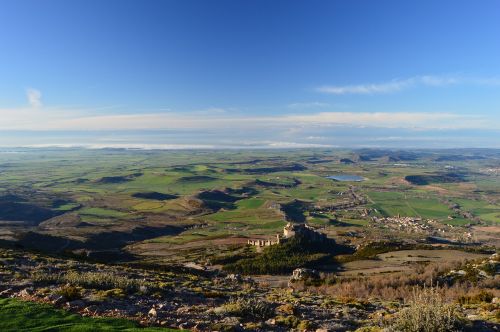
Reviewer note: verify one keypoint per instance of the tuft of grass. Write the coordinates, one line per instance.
(289, 321)
(102, 280)
(70, 292)
(427, 311)
(250, 308)
(94, 280)
(481, 297)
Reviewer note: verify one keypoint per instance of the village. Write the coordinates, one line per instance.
(428, 227)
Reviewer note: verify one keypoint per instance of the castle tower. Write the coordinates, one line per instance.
(288, 231)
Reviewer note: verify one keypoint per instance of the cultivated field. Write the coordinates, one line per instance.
(182, 220)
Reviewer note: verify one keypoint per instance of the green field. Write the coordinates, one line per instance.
(81, 197)
(409, 205)
(484, 210)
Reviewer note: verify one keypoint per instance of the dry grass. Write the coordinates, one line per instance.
(95, 280)
(399, 286)
(250, 307)
(70, 292)
(427, 311)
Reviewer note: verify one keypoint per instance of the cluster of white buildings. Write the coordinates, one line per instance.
(411, 224)
(428, 226)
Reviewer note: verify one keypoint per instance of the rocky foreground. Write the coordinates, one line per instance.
(197, 300)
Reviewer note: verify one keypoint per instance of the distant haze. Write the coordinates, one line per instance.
(190, 139)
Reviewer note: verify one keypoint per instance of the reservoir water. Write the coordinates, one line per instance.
(346, 177)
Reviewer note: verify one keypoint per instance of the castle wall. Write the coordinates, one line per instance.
(289, 231)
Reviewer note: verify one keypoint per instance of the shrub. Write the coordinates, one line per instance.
(372, 249)
(304, 325)
(482, 297)
(116, 293)
(221, 327)
(44, 277)
(369, 329)
(490, 268)
(70, 292)
(288, 309)
(253, 308)
(427, 312)
(213, 294)
(398, 286)
(96, 280)
(102, 280)
(289, 321)
(232, 257)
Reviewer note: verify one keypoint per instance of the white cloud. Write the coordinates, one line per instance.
(313, 104)
(367, 89)
(146, 146)
(132, 146)
(60, 119)
(383, 119)
(210, 111)
(34, 97)
(437, 80)
(282, 145)
(39, 117)
(397, 85)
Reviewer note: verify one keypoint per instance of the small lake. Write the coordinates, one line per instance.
(346, 177)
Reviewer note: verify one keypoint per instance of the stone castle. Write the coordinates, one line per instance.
(265, 242)
(289, 231)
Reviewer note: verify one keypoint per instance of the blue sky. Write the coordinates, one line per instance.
(250, 73)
